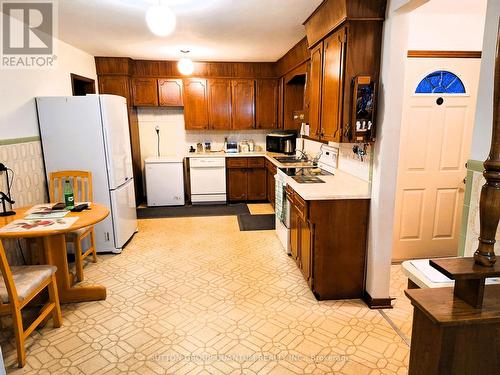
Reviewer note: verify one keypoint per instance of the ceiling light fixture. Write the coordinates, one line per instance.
(160, 20)
(185, 65)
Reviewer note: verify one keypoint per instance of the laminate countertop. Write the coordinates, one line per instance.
(341, 185)
(221, 154)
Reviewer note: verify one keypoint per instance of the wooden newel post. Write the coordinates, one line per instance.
(489, 206)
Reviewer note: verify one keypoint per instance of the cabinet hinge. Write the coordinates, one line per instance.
(345, 37)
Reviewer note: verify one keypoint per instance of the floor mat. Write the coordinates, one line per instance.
(193, 211)
(249, 222)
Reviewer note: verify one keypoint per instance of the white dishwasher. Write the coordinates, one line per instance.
(208, 179)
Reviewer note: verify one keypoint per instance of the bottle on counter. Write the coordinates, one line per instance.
(224, 147)
(251, 145)
(69, 198)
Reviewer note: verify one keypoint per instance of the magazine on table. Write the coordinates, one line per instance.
(45, 211)
(35, 225)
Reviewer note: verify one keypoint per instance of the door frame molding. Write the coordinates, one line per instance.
(444, 54)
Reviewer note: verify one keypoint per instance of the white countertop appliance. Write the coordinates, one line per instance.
(164, 181)
(232, 147)
(91, 133)
(208, 179)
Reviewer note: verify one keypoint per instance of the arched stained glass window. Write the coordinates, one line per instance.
(440, 82)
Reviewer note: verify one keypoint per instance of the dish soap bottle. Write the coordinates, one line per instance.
(69, 198)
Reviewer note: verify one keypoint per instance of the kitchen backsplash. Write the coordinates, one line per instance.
(348, 161)
(175, 140)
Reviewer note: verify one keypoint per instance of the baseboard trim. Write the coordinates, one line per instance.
(377, 303)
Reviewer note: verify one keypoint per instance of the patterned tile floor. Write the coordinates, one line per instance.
(197, 296)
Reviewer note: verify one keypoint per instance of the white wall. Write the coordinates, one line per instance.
(452, 25)
(20, 87)
(481, 138)
(386, 151)
(20, 148)
(414, 24)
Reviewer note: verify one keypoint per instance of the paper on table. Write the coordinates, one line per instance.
(430, 272)
(44, 211)
(27, 225)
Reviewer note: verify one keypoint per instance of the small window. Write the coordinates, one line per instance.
(440, 82)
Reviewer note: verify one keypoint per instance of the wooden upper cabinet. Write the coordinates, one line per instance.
(170, 92)
(314, 90)
(243, 104)
(195, 104)
(266, 104)
(332, 89)
(115, 85)
(219, 103)
(145, 92)
(280, 102)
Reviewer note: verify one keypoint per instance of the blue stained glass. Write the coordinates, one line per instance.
(440, 82)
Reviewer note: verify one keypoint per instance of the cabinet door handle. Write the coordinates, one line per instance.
(336, 131)
(347, 130)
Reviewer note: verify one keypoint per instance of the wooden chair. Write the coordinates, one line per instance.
(18, 286)
(82, 190)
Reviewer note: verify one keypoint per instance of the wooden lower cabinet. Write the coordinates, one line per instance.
(246, 179)
(256, 184)
(237, 184)
(294, 233)
(271, 182)
(306, 243)
(328, 242)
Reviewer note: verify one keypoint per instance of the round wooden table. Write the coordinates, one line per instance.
(54, 246)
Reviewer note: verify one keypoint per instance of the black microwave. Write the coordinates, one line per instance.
(282, 142)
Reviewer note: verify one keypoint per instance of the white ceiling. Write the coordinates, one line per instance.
(213, 30)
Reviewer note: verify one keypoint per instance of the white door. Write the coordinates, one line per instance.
(436, 134)
(116, 139)
(123, 213)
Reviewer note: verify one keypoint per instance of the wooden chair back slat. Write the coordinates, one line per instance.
(81, 182)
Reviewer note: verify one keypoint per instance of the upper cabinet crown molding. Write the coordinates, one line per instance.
(330, 14)
(114, 65)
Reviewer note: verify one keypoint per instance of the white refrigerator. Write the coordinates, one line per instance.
(91, 133)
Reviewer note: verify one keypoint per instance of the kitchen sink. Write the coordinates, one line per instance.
(292, 160)
(308, 180)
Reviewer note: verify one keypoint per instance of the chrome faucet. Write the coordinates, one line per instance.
(303, 156)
